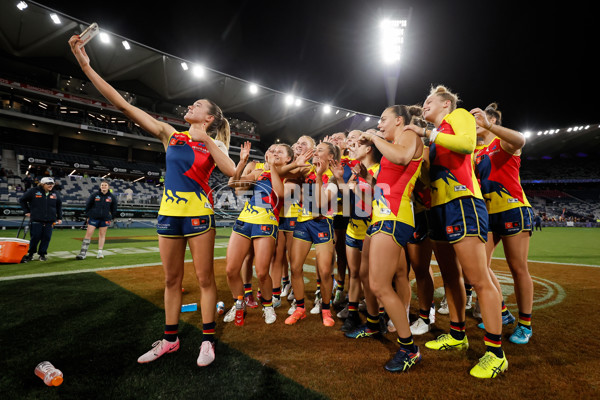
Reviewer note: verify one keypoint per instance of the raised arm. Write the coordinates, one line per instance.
(510, 140)
(156, 128)
(400, 153)
(463, 140)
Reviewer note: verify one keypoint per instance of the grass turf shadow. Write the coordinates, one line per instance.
(94, 330)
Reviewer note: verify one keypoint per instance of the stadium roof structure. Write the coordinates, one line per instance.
(31, 43)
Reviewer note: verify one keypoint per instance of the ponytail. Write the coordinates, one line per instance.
(219, 129)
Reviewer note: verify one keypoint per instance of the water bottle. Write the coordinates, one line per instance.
(239, 311)
(189, 307)
(51, 376)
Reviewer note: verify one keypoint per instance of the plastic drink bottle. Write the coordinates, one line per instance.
(239, 311)
(51, 376)
(189, 307)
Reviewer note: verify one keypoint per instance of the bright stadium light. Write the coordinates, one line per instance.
(55, 18)
(126, 45)
(289, 99)
(184, 66)
(298, 102)
(392, 38)
(367, 118)
(326, 108)
(253, 88)
(21, 5)
(198, 71)
(104, 38)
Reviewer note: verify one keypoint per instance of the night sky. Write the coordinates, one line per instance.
(534, 59)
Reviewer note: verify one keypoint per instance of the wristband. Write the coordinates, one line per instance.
(433, 135)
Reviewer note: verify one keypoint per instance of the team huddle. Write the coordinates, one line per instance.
(432, 179)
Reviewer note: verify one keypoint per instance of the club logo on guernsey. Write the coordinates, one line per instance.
(189, 166)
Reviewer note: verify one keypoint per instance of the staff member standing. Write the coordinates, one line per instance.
(44, 208)
(101, 208)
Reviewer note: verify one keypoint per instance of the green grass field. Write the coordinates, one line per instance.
(140, 246)
(94, 329)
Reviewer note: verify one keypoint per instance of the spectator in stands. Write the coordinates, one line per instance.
(186, 216)
(27, 181)
(44, 208)
(538, 222)
(101, 209)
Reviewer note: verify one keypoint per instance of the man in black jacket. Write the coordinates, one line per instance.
(43, 206)
(101, 209)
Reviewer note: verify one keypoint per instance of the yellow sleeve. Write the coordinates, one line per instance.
(464, 139)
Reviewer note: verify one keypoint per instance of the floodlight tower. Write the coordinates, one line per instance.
(392, 32)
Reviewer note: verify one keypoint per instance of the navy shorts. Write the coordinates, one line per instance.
(99, 223)
(353, 242)
(184, 226)
(421, 231)
(251, 231)
(317, 231)
(400, 231)
(466, 216)
(287, 224)
(511, 222)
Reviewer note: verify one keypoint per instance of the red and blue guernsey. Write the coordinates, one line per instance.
(451, 159)
(307, 212)
(264, 205)
(189, 164)
(392, 197)
(498, 173)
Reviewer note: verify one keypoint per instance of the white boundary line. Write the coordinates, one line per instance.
(80, 271)
(307, 267)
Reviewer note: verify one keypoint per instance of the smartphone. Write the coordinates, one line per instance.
(89, 33)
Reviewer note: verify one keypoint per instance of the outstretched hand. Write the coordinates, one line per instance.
(245, 151)
(79, 51)
(303, 157)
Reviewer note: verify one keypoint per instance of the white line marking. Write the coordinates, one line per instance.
(80, 271)
(308, 268)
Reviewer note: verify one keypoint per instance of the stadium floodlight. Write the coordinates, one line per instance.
(367, 118)
(527, 134)
(198, 71)
(298, 102)
(104, 38)
(184, 66)
(22, 5)
(253, 88)
(55, 18)
(289, 99)
(126, 45)
(326, 108)
(392, 38)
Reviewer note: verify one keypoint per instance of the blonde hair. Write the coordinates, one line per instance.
(219, 129)
(445, 94)
(310, 139)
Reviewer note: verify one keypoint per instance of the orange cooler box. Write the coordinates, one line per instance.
(13, 250)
